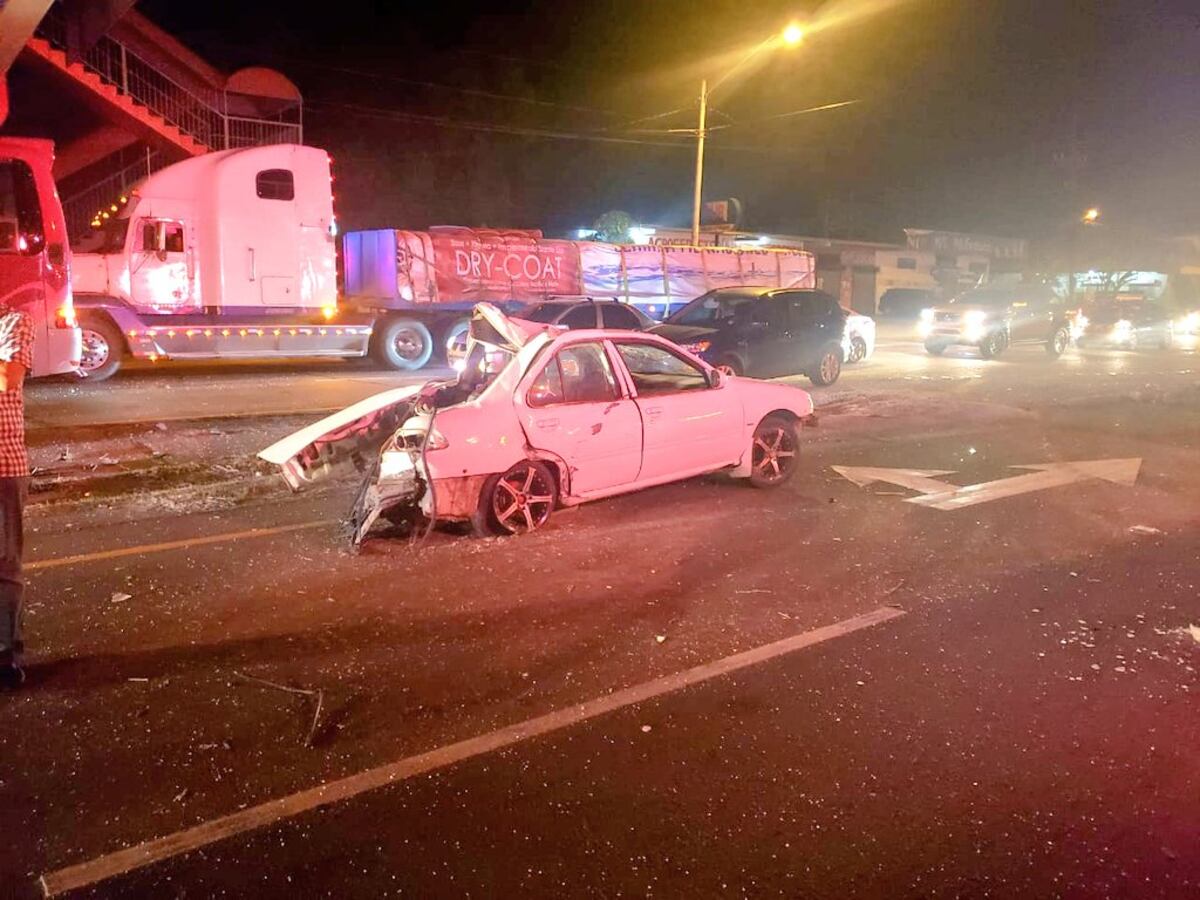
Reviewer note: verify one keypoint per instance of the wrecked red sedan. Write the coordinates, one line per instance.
(540, 418)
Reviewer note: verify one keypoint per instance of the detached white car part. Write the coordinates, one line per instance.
(541, 417)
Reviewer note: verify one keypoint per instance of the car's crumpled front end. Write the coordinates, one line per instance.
(387, 437)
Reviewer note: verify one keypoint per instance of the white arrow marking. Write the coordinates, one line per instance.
(913, 479)
(940, 495)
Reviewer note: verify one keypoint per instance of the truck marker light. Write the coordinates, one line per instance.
(65, 317)
(242, 332)
(225, 332)
(278, 332)
(171, 333)
(208, 332)
(133, 333)
(328, 312)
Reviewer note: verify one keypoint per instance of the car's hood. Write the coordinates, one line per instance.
(683, 334)
(490, 325)
(310, 453)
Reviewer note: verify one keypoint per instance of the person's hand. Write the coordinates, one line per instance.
(12, 376)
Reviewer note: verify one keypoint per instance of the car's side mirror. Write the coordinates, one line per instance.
(715, 378)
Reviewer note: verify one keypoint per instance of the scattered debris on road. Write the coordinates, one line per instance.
(318, 693)
(1145, 529)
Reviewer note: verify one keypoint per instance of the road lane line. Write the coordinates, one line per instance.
(122, 862)
(142, 549)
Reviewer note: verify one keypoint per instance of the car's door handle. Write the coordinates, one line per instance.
(653, 412)
(547, 424)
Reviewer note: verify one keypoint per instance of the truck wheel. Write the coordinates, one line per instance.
(103, 347)
(403, 344)
(455, 341)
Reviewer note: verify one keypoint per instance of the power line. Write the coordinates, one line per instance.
(516, 130)
(473, 92)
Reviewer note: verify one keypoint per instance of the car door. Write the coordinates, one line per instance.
(816, 320)
(574, 408)
(1030, 316)
(689, 426)
(765, 331)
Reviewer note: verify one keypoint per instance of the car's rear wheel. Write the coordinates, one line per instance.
(858, 350)
(828, 367)
(993, 345)
(729, 365)
(1058, 343)
(517, 502)
(774, 452)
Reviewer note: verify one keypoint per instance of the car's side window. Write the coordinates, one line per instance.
(577, 374)
(658, 371)
(619, 317)
(582, 316)
(547, 389)
(806, 306)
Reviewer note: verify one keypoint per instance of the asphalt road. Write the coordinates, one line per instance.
(1028, 724)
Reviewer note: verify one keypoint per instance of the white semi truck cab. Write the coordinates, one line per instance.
(230, 254)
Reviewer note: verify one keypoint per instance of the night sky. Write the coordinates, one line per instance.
(1002, 116)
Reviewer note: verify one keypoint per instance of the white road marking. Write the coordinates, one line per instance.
(130, 859)
(944, 496)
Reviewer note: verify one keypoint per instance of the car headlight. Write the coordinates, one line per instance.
(394, 464)
(1123, 329)
(974, 322)
(1189, 323)
(698, 347)
(925, 323)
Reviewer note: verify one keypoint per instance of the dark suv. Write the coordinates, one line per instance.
(763, 332)
(992, 318)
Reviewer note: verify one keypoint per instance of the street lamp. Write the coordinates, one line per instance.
(1091, 216)
(791, 36)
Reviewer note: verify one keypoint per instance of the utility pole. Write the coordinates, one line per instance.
(699, 163)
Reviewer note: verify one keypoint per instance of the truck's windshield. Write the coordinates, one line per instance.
(108, 238)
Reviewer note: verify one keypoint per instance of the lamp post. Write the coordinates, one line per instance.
(1091, 216)
(792, 35)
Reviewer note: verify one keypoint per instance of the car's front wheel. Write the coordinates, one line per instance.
(774, 451)
(935, 348)
(517, 502)
(1058, 343)
(993, 345)
(730, 365)
(828, 367)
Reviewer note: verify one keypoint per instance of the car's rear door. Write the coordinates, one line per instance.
(689, 426)
(1031, 316)
(816, 321)
(575, 409)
